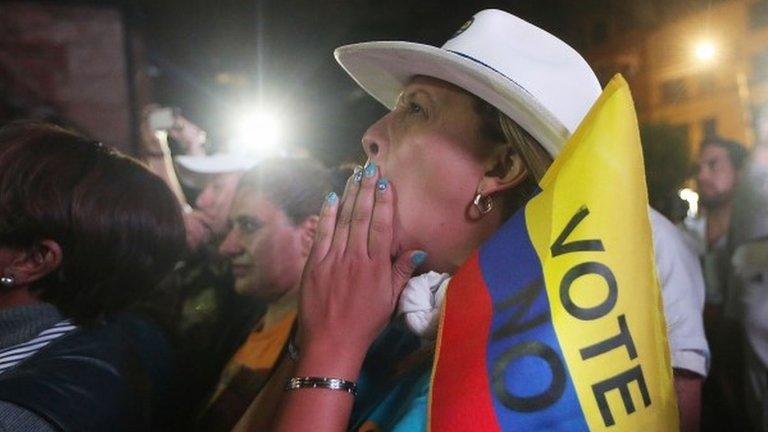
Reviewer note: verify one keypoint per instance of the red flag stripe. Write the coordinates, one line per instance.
(460, 368)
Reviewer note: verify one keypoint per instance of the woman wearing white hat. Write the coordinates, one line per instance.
(473, 126)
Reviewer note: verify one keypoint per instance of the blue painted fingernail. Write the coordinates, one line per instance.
(357, 177)
(418, 258)
(331, 198)
(370, 169)
(382, 184)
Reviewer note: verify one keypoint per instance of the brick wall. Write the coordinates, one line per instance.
(66, 62)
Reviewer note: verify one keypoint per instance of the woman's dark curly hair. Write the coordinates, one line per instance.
(118, 225)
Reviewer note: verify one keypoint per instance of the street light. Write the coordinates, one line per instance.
(705, 51)
(257, 133)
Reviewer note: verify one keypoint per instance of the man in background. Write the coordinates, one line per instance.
(717, 173)
(718, 168)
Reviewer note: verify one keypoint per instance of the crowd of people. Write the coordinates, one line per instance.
(292, 297)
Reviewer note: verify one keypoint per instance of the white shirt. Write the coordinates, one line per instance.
(682, 290)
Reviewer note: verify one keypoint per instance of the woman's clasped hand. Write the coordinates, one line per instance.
(353, 279)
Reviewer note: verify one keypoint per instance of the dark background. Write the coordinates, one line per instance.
(207, 57)
(279, 54)
(211, 57)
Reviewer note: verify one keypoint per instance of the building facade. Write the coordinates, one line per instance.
(74, 64)
(705, 70)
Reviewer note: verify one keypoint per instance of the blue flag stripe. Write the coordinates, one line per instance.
(532, 390)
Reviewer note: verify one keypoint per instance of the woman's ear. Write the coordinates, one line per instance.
(308, 229)
(506, 170)
(34, 263)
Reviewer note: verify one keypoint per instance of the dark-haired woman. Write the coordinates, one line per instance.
(84, 232)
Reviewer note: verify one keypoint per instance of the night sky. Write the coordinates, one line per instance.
(209, 57)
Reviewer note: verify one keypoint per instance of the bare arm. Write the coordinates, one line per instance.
(688, 389)
(161, 164)
(157, 155)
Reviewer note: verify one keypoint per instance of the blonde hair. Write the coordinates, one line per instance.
(536, 159)
(497, 127)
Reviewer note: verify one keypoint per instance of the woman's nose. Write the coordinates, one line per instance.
(375, 140)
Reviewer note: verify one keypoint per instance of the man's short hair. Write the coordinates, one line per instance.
(297, 185)
(737, 153)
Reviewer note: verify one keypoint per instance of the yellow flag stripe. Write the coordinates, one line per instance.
(590, 229)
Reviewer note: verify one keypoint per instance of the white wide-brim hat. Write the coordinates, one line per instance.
(194, 170)
(528, 74)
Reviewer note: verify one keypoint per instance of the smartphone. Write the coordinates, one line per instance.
(162, 118)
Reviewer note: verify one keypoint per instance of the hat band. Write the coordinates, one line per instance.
(468, 57)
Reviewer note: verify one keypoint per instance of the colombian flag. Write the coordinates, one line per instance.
(556, 322)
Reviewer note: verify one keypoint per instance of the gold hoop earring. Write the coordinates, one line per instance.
(484, 204)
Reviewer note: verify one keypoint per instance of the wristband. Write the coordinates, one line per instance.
(297, 383)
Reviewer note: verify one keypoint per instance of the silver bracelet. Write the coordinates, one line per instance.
(296, 383)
